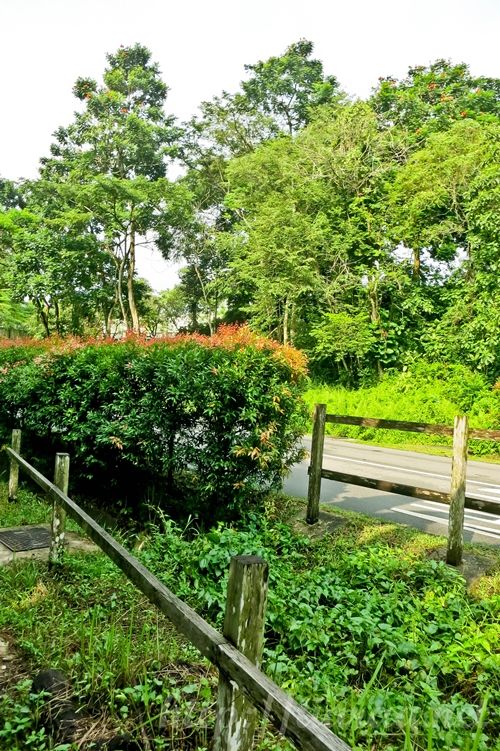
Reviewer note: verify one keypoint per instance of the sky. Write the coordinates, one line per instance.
(202, 46)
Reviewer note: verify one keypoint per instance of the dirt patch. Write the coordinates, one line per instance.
(326, 525)
(12, 668)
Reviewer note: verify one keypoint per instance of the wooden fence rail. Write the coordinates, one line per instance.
(455, 499)
(243, 608)
(412, 427)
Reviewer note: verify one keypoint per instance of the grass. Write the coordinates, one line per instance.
(431, 394)
(365, 626)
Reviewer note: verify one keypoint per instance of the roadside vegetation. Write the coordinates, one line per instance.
(365, 233)
(356, 242)
(211, 423)
(423, 392)
(365, 626)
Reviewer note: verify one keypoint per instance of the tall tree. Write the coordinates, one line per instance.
(288, 87)
(312, 220)
(430, 99)
(110, 165)
(429, 193)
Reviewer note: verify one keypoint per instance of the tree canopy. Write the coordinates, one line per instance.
(364, 232)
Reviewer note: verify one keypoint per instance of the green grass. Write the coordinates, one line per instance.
(366, 627)
(432, 394)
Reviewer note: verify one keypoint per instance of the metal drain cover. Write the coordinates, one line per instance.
(25, 538)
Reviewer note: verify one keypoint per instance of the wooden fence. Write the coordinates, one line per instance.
(244, 690)
(456, 498)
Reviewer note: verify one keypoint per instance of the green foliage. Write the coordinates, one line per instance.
(123, 659)
(424, 392)
(340, 336)
(288, 87)
(213, 422)
(432, 98)
(363, 232)
(373, 639)
(377, 639)
(102, 190)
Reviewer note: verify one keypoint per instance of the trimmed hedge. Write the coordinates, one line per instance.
(213, 422)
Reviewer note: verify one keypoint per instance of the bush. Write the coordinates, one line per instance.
(214, 421)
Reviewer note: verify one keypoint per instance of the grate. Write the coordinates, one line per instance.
(25, 538)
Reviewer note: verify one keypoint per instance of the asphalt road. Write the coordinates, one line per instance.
(409, 468)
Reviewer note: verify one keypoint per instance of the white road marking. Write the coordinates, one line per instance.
(436, 520)
(469, 515)
(493, 489)
(489, 486)
(468, 519)
(440, 506)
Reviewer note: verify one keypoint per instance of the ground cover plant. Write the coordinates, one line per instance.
(212, 421)
(366, 627)
(424, 392)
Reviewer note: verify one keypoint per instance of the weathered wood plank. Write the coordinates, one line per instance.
(286, 715)
(389, 487)
(373, 422)
(318, 442)
(308, 733)
(479, 504)
(413, 427)
(483, 434)
(457, 493)
(58, 522)
(474, 504)
(244, 628)
(14, 467)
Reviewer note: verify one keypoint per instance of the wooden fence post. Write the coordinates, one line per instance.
(244, 628)
(14, 466)
(61, 480)
(457, 491)
(316, 464)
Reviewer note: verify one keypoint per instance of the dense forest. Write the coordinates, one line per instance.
(365, 233)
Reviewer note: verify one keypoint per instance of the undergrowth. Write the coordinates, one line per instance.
(364, 627)
(431, 393)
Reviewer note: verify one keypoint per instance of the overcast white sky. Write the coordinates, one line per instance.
(202, 46)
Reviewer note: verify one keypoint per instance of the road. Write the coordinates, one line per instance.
(409, 468)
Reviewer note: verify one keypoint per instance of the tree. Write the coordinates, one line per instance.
(288, 87)
(10, 195)
(312, 223)
(430, 99)
(278, 97)
(60, 269)
(110, 165)
(166, 312)
(429, 191)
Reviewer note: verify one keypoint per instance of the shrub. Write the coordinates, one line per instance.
(214, 421)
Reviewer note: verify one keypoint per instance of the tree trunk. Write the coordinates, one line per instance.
(108, 314)
(205, 299)
(286, 317)
(293, 310)
(58, 318)
(43, 316)
(416, 265)
(119, 291)
(374, 314)
(130, 283)
(193, 314)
